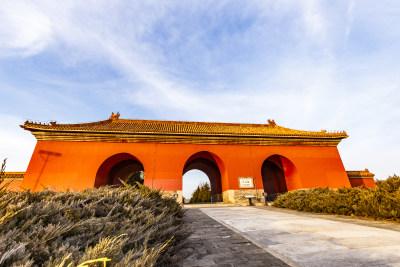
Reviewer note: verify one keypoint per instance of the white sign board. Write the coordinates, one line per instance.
(246, 182)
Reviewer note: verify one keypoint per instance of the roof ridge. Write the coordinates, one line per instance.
(191, 122)
(115, 124)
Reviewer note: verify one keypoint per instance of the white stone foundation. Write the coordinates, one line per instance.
(236, 196)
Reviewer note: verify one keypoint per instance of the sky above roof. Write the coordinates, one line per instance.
(309, 65)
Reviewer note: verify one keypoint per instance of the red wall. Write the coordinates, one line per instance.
(14, 185)
(367, 182)
(61, 165)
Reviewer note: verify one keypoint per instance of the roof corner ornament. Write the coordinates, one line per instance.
(53, 123)
(323, 131)
(114, 117)
(271, 123)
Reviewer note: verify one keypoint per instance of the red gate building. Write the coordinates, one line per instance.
(239, 159)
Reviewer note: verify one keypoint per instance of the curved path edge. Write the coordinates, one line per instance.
(314, 240)
(276, 254)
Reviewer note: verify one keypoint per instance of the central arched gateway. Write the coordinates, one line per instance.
(205, 162)
(239, 159)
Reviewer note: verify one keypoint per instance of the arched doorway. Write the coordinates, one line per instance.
(116, 168)
(278, 174)
(205, 162)
(191, 180)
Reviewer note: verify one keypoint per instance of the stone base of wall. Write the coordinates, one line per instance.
(237, 196)
(228, 196)
(172, 193)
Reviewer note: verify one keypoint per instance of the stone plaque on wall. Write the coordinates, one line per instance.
(246, 182)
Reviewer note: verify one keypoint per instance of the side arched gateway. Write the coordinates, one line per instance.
(279, 175)
(207, 163)
(116, 168)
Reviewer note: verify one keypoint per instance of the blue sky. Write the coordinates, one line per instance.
(308, 65)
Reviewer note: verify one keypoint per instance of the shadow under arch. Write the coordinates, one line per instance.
(212, 166)
(116, 167)
(279, 175)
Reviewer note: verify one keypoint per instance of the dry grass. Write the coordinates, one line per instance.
(130, 226)
(380, 203)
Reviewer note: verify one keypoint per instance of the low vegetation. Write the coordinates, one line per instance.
(2, 169)
(202, 194)
(380, 203)
(135, 178)
(129, 226)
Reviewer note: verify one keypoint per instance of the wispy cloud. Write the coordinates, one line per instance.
(26, 30)
(350, 19)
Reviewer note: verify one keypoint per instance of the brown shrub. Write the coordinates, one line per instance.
(380, 203)
(127, 225)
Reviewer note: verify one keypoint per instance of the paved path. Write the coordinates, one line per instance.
(312, 241)
(213, 244)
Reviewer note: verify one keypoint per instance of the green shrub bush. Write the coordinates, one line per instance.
(202, 194)
(380, 203)
(136, 177)
(131, 226)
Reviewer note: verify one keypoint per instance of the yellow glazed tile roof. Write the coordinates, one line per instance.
(116, 125)
(10, 176)
(357, 174)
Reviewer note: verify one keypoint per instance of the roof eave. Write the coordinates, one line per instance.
(327, 136)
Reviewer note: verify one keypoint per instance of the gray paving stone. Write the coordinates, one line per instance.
(313, 240)
(213, 244)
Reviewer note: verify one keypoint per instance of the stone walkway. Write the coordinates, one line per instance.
(213, 244)
(314, 241)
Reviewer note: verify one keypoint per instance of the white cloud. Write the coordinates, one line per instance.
(314, 21)
(350, 18)
(15, 144)
(24, 29)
